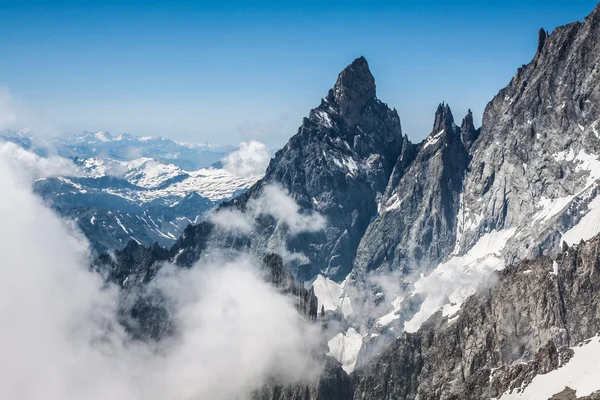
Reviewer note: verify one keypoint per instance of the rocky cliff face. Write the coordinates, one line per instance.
(535, 164)
(521, 325)
(528, 176)
(466, 201)
(415, 226)
(532, 165)
(338, 164)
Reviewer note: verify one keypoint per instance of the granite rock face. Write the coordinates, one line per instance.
(534, 165)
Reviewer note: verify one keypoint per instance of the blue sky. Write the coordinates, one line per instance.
(227, 71)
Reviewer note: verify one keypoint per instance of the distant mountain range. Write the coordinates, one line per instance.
(189, 156)
(125, 187)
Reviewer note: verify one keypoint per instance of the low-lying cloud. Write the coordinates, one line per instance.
(61, 339)
(252, 158)
(32, 166)
(276, 202)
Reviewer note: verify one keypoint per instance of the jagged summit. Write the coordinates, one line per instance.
(468, 132)
(595, 12)
(444, 129)
(443, 117)
(542, 35)
(354, 88)
(467, 122)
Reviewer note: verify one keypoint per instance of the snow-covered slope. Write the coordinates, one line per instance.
(155, 180)
(580, 373)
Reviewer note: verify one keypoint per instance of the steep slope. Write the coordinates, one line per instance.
(415, 227)
(530, 332)
(535, 164)
(503, 337)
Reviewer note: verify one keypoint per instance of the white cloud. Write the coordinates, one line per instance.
(60, 339)
(25, 162)
(252, 158)
(276, 202)
(233, 221)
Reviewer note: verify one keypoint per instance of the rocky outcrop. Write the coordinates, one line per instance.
(522, 323)
(468, 132)
(282, 278)
(570, 394)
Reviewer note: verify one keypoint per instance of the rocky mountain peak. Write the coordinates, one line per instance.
(443, 118)
(354, 88)
(542, 35)
(467, 122)
(595, 13)
(468, 132)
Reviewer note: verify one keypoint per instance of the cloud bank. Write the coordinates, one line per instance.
(252, 158)
(61, 340)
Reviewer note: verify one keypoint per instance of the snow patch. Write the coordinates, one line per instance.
(350, 164)
(456, 279)
(550, 207)
(393, 203)
(328, 292)
(581, 374)
(120, 224)
(324, 118)
(431, 140)
(344, 347)
(388, 318)
(587, 227)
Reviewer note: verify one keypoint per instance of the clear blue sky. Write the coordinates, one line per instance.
(227, 71)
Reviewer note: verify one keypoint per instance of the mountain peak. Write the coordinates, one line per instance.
(542, 35)
(354, 88)
(468, 132)
(443, 117)
(467, 122)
